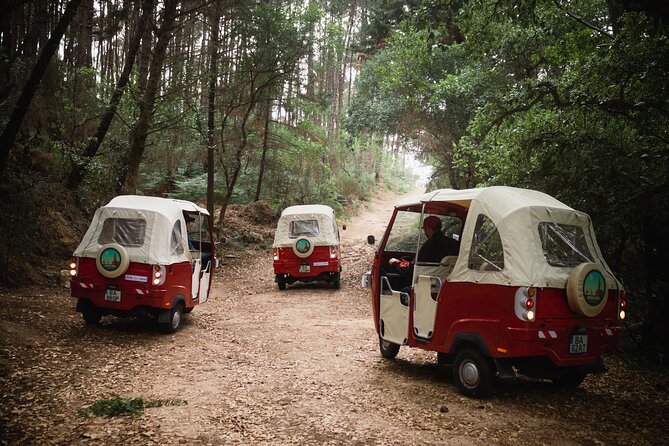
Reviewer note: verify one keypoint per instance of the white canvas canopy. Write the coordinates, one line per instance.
(517, 215)
(155, 226)
(314, 222)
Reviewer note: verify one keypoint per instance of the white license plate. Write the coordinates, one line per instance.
(321, 263)
(113, 295)
(305, 269)
(578, 344)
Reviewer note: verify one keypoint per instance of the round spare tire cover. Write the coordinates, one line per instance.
(303, 248)
(112, 260)
(586, 290)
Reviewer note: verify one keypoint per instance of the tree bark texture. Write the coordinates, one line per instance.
(211, 106)
(130, 177)
(78, 169)
(21, 107)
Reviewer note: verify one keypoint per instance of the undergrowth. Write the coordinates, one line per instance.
(120, 406)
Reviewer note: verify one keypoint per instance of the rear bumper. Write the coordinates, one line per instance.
(316, 268)
(134, 299)
(553, 343)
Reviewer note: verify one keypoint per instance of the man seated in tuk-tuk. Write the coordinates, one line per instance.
(436, 247)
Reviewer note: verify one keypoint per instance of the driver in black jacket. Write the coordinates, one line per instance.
(435, 248)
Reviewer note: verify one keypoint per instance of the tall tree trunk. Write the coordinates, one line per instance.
(21, 108)
(265, 145)
(130, 177)
(213, 75)
(237, 160)
(78, 169)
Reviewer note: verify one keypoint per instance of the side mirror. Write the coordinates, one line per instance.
(222, 240)
(371, 240)
(343, 227)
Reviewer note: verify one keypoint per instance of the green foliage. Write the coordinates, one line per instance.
(121, 406)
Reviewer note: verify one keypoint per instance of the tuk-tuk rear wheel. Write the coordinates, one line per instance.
(473, 373)
(176, 315)
(336, 281)
(281, 282)
(569, 380)
(91, 315)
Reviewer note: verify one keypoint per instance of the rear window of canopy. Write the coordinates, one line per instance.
(124, 231)
(299, 228)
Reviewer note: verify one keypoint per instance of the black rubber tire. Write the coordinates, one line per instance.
(336, 281)
(176, 316)
(473, 373)
(281, 282)
(388, 349)
(91, 314)
(569, 380)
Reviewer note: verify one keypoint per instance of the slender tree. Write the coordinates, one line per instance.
(130, 177)
(211, 106)
(78, 168)
(12, 128)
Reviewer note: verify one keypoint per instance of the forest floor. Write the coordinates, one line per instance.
(255, 365)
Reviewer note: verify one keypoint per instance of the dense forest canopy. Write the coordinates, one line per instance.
(297, 101)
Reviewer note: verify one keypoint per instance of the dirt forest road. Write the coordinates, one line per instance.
(256, 365)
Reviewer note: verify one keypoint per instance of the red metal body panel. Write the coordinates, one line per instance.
(487, 310)
(90, 284)
(289, 263)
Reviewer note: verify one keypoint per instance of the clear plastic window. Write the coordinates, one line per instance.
(487, 252)
(176, 244)
(197, 226)
(564, 245)
(404, 234)
(299, 228)
(124, 231)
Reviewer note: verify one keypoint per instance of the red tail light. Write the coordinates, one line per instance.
(158, 275)
(333, 252)
(275, 253)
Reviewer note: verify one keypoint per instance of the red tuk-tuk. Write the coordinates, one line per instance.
(306, 246)
(527, 292)
(144, 256)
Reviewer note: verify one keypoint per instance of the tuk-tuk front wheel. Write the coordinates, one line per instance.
(176, 315)
(473, 373)
(388, 349)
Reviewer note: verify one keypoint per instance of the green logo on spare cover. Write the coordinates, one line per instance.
(594, 287)
(110, 259)
(302, 246)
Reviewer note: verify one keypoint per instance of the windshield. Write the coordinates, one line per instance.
(124, 231)
(404, 234)
(564, 245)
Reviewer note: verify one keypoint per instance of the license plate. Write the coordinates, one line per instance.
(578, 344)
(305, 268)
(113, 295)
